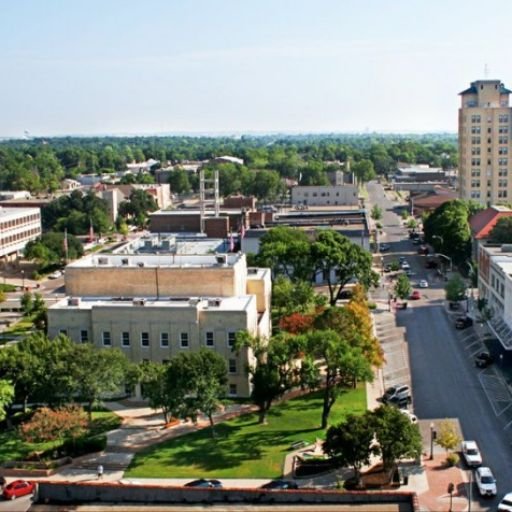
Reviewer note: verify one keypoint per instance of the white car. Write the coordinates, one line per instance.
(55, 275)
(485, 482)
(412, 417)
(506, 503)
(423, 283)
(405, 265)
(471, 453)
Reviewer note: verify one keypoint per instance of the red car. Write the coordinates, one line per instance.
(18, 488)
(415, 295)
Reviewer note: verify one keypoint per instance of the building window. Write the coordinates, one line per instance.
(503, 151)
(475, 151)
(475, 195)
(475, 119)
(233, 390)
(184, 339)
(503, 172)
(503, 161)
(503, 118)
(84, 336)
(125, 339)
(164, 339)
(231, 339)
(475, 161)
(475, 173)
(502, 183)
(209, 339)
(475, 183)
(107, 340)
(232, 366)
(144, 339)
(475, 130)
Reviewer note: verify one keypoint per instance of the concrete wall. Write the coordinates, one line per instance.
(325, 195)
(71, 492)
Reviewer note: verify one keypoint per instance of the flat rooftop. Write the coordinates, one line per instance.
(235, 303)
(156, 260)
(7, 213)
(174, 243)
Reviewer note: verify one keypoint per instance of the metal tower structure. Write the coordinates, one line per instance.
(208, 195)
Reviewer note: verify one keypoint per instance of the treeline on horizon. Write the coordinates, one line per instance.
(39, 164)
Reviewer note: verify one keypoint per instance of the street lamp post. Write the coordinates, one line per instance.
(23, 279)
(432, 437)
(451, 488)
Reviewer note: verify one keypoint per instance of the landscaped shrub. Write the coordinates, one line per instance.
(84, 445)
(452, 459)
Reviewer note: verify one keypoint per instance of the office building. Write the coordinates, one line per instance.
(17, 227)
(484, 143)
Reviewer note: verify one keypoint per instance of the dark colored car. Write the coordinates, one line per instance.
(454, 306)
(202, 482)
(431, 264)
(387, 268)
(483, 360)
(17, 489)
(463, 322)
(384, 247)
(280, 485)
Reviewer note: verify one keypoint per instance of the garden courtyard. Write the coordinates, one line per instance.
(243, 448)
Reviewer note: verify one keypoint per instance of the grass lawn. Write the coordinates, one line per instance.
(23, 326)
(12, 447)
(243, 448)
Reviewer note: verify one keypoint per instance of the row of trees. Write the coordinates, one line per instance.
(386, 431)
(59, 371)
(39, 164)
(295, 254)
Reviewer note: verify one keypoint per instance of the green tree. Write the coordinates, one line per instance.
(342, 365)
(275, 371)
(447, 229)
(6, 397)
(350, 443)
(97, 372)
(26, 303)
(154, 380)
(179, 182)
(455, 288)
(403, 287)
(448, 436)
(396, 436)
(364, 171)
(196, 381)
(287, 251)
(50, 249)
(293, 296)
(501, 233)
(138, 206)
(333, 253)
(376, 212)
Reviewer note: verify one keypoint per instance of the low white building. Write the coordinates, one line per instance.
(325, 195)
(18, 226)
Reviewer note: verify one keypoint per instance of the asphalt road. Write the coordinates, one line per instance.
(445, 381)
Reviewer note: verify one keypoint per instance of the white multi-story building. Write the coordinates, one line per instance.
(325, 195)
(17, 227)
(154, 306)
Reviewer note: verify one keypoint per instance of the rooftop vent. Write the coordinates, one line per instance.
(139, 302)
(140, 264)
(221, 259)
(124, 261)
(214, 303)
(74, 301)
(102, 260)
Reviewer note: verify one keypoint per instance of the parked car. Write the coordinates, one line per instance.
(55, 275)
(423, 249)
(346, 294)
(203, 482)
(431, 264)
(387, 268)
(384, 247)
(280, 485)
(471, 453)
(423, 283)
(415, 295)
(505, 504)
(483, 360)
(463, 321)
(454, 306)
(485, 482)
(18, 488)
(401, 259)
(405, 265)
(397, 393)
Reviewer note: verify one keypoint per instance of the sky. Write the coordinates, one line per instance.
(244, 66)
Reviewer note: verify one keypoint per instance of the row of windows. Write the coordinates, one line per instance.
(20, 236)
(502, 183)
(106, 338)
(503, 172)
(322, 194)
(502, 193)
(476, 162)
(502, 118)
(19, 221)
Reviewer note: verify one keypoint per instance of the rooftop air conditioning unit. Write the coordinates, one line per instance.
(139, 302)
(214, 303)
(124, 261)
(140, 264)
(74, 301)
(102, 261)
